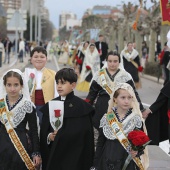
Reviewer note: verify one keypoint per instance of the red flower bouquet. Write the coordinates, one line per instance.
(57, 114)
(88, 67)
(140, 68)
(138, 140)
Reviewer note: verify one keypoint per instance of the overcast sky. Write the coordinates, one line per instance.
(78, 7)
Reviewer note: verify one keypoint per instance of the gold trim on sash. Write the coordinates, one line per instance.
(118, 132)
(134, 63)
(104, 83)
(14, 137)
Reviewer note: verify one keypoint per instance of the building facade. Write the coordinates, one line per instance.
(13, 4)
(64, 16)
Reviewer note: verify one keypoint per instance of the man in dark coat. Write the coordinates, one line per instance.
(165, 61)
(158, 121)
(102, 48)
(73, 145)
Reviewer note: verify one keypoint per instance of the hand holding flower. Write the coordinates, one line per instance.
(133, 153)
(52, 136)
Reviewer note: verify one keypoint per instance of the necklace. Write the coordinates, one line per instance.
(11, 105)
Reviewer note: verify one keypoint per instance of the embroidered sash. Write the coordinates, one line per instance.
(104, 83)
(14, 137)
(118, 132)
(134, 63)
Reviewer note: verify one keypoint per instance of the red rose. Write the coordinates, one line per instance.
(138, 138)
(32, 75)
(140, 68)
(57, 113)
(88, 67)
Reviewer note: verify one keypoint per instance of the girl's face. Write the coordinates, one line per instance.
(13, 87)
(92, 49)
(86, 45)
(130, 46)
(113, 62)
(123, 100)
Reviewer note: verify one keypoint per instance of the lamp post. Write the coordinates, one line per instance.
(39, 26)
(30, 20)
(36, 24)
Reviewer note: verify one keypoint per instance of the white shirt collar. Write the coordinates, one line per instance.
(63, 97)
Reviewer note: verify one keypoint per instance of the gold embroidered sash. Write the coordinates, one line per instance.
(104, 83)
(118, 132)
(14, 137)
(134, 63)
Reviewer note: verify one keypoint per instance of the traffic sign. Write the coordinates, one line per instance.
(16, 22)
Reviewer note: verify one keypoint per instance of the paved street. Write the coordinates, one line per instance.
(159, 160)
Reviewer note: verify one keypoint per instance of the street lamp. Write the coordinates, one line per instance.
(30, 20)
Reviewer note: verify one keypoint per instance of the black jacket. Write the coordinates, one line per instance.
(73, 147)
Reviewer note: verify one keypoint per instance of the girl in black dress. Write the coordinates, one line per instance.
(16, 111)
(112, 151)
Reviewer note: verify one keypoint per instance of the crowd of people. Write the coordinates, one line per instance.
(45, 126)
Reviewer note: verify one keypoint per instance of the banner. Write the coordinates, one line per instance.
(165, 11)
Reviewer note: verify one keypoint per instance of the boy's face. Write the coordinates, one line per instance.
(65, 87)
(38, 60)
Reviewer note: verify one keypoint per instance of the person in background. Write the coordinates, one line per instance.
(7, 45)
(21, 50)
(91, 65)
(68, 144)
(102, 48)
(144, 54)
(41, 80)
(131, 62)
(158, 117)
(166, 65)
(165, 59)
(64, 55)
(1, 51)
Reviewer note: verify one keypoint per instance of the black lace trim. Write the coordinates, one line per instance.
(11, 107)
(127, 114)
